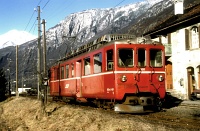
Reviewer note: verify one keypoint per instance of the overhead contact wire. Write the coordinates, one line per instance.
(119, 3)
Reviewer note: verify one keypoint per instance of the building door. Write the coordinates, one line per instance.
(191, 80)
(169, 81)
(198, 76)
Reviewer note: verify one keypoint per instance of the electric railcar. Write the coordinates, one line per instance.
(114, 71)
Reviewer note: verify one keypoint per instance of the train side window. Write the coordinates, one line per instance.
(67, 71)
(109, 57)
(156, 58)
(87, 66)
(58, 73)
(72, 67)
(125, 58)
(62, 72)
(141, 57)
(98, 63)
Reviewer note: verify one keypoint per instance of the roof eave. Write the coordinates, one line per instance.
(173, 27)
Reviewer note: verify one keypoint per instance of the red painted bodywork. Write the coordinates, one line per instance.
(108, 84)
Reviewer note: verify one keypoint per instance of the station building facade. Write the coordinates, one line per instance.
(181, 37)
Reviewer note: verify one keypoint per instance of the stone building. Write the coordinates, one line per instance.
(181, 36)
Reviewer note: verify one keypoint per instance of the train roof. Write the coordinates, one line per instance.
(107, 39)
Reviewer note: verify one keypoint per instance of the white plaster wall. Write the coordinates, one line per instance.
(182, 59)
(178, 60)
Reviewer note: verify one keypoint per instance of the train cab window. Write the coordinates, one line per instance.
(67, 71)
(87, 66)
(62, 72)
(141, 57)
(109, 56)
(156, 58)
(72, 67)
(98, 63)
(125, 58)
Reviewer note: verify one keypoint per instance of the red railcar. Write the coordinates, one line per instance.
(119, 71)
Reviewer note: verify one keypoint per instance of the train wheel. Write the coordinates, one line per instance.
(158, 105)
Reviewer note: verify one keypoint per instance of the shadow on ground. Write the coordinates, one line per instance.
(171, 101)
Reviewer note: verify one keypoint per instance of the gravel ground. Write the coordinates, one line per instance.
(25, 114)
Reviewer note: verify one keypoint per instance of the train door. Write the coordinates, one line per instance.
(109, 78)
(58, 78)
(54, 81)
(79, 78)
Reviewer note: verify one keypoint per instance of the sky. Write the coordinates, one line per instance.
(22, 14)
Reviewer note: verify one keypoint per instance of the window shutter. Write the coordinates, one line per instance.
(169, 38)
(199, 35)
(187, 41)
(160, 39)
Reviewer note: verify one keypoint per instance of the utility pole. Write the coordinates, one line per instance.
(44, 61)
(17, 93)
(39, 55)
(9, 89)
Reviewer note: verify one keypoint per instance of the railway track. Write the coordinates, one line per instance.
(191, 104)
(187, 104)
(185, 116)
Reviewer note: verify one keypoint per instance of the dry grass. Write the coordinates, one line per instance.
(25, 114)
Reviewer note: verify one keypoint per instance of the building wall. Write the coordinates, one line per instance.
(185, 60)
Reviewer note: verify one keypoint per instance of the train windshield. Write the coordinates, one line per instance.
(156, 58)
(125, 57)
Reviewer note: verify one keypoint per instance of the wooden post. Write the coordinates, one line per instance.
(17, 93)
(44, 61)
(39, 55)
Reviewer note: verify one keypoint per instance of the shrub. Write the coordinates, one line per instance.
(3, 84)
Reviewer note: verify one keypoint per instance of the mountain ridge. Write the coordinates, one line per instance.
(15, 37)
(86, 27)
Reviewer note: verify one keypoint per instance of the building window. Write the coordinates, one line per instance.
(98, 63)
(192, 38)
(87, 66)
(67, 71)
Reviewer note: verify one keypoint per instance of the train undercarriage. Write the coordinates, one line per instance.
(130, 104)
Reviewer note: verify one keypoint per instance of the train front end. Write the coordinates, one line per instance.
(139, 77)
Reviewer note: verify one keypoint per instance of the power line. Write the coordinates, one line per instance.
(39, 3)
(59, 9)
(30, 19)
(45, 4)
(119, 3)
(33, 25)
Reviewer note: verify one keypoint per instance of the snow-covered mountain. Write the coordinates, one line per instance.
(92, 23)
(87, 25)
(15, 37)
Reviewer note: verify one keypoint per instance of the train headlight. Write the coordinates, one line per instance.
(123, 78)
(160, 78)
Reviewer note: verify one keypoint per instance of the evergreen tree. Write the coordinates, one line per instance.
(3, 84)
